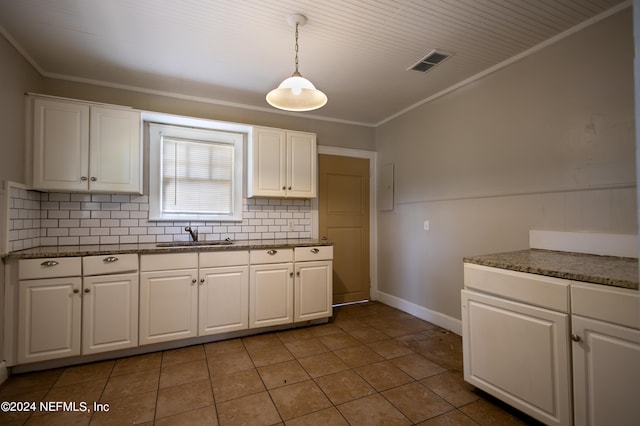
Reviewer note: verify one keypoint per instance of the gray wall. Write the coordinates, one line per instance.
(545, 143)
(17, 77)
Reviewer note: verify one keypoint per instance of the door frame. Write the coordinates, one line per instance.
(373, 218)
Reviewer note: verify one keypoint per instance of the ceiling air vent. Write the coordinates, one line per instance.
(433, 58)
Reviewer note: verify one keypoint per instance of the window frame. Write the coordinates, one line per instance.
(195, 129)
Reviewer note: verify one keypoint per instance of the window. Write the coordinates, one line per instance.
(194, 174)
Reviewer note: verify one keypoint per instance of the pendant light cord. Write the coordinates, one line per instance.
(296, 71)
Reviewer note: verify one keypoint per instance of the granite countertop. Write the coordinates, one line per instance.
(152, 248)
(608, 270)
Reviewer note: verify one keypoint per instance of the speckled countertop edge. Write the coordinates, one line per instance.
(152, 248)
(607, 270)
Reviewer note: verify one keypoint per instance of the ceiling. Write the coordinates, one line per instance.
(232, 52)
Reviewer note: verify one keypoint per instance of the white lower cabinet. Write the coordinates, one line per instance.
(186, 295)
(109, 303)
(516, 346)
(313, 288)
(49, 308)
(223, 294)
(109, 312)
(49, 318)
(94, 309)
(168, 297)
(606, 355)
(271, 287)
(87, 305)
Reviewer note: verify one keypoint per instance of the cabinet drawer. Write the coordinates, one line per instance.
(29, 269)
(538, 290)
(303, 254)
(224, 258)
(166, 262)
(275, 255)
(109, 264)
(615, 305)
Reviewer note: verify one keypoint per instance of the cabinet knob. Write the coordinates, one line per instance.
(298, 273)
(289, 188)
(291, 274)
(86, 290)
(83, 178)
(49, 263)
(75, 290)
(315, 250)
(93, 179)
(194, 281)
(575, 338)
(110, 259)
(201, 280)
(284, 187)
(272, 252)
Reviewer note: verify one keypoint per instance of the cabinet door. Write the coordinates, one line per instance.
(271, 295)
(518, 353)
(60, 145)
(606, 373)
(109, 313)
(313, 290)
(168, 305)
(267, 163)
(114, 154)
(223, 298)
(49, 319)
(301, 165)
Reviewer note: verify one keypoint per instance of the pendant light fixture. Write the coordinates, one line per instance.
(296, 93)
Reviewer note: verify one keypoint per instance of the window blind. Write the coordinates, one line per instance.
(197, 176)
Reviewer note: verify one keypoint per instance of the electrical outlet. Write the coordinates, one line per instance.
(291, 225)
(425, 225)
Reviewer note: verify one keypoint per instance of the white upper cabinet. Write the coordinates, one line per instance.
(79, 146)
(281, 163)
(114, 150)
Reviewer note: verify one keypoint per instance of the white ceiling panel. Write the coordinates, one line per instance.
(235, 51)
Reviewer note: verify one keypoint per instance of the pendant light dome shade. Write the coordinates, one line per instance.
(296, 93)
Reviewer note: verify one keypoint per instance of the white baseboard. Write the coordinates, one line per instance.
(437, 318)
(4, 372)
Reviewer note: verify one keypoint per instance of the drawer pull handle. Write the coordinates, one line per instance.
(110, 259)
(315, 251)
(49, 263)
(575, 338)
(272, 252)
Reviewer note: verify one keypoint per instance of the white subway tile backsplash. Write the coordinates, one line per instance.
(102, 198)
(70, 219)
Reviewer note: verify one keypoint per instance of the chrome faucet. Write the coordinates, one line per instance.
(192, 232)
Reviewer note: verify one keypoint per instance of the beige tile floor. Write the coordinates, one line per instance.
(370, 365)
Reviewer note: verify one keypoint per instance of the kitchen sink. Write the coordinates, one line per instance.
(195, 243)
